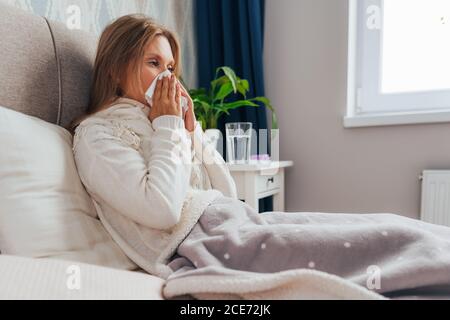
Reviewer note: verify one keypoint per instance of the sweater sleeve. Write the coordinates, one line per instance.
(151, 192)
(214, 163)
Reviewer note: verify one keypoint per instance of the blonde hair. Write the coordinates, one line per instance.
(121, 49)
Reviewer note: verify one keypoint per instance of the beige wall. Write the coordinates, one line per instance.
(336, 169)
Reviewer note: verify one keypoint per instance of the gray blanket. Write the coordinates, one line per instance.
(386, 253)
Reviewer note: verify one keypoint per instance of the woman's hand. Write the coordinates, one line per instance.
(189, 115)
(166, 99)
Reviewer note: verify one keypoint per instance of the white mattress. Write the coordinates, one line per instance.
(27, 278)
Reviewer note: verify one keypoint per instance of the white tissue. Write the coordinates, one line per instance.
(151, 90)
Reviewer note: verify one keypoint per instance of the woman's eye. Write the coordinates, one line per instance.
(156, 64)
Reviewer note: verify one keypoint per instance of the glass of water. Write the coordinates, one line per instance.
(238, 135)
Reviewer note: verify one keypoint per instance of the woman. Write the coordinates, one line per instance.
(142, 164)
(167, 198)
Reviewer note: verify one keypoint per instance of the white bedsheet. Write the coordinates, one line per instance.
(27, 278)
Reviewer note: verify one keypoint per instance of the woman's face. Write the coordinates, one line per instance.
(157, 58)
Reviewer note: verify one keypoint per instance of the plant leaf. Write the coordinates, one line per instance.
(197, 92)
(264, 100)
(224, 91)
(219, 81)
(202, 97)
(230, 75)
(274, 120)
(268, 104)
(243, 87)
(205, 105)
(202, 119)
(237, 104)
(245, 84)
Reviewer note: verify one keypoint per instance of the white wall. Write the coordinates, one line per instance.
(336, 169)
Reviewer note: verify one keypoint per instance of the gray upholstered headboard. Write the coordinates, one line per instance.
(45, 68)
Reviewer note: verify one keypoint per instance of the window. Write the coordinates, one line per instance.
(399, 62)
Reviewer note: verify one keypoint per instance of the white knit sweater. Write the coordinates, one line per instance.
(149, 181)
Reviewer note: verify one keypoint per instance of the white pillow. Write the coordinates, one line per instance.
(44, 209)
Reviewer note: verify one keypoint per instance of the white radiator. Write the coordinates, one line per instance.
(435, 204)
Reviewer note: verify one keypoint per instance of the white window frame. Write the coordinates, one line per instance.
(364, 105)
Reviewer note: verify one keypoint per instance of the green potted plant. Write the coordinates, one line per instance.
(211, 104)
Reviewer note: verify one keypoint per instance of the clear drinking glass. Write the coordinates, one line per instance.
(238, 135)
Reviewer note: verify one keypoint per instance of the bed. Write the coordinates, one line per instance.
(45, 73)
(53, 245)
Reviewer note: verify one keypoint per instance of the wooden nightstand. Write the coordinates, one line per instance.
(259, 179)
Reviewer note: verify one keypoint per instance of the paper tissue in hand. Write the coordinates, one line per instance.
(151, 90)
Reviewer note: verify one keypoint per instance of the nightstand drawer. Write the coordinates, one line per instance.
(266, 183)
(258, 180)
